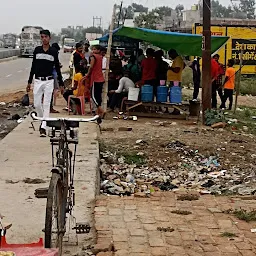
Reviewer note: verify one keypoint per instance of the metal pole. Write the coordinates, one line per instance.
(120, 14)
(239, 77)
(110, 39)
(206, 58)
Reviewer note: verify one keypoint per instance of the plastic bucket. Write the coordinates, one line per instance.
(175, 94)
(162, 82)
(162, 93)
(133, 94)
(147, 93)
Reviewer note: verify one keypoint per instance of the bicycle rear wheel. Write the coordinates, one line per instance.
(55, 214)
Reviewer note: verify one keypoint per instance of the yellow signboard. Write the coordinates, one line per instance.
(7, 253)
(240, 36)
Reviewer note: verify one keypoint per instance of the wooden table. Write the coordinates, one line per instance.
(147, 109)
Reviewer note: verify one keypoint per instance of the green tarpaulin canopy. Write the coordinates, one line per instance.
(184, 44)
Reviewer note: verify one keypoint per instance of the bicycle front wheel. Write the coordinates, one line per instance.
(55, 214)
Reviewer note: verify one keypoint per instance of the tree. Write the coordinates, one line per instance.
(124, 13)
(220, 11)
(248, 6)
(179, 8)
(67, 32)
(128, 12)
(55, 38)
(79, 33)
(148, 20)
(164, 11)
(151, 19)
(139, 8)
(97, 30)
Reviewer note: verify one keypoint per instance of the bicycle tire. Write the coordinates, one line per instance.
(55, 199)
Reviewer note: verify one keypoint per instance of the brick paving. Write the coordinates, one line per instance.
(133, 225)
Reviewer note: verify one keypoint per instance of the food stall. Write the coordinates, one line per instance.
(184, 44)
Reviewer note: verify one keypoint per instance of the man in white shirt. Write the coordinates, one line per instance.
(87, 52)
(104, 59)
(122, 91)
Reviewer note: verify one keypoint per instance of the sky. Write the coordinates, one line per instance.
(56, 14)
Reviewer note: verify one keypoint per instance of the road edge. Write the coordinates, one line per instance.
(9, 59)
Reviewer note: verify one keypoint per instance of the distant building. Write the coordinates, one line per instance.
(191, 16)
(168, 21)
(129, 23)
(183, 24)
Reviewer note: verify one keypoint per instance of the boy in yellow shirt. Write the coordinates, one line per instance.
(79, 85)
(229, 85)
(174, 74)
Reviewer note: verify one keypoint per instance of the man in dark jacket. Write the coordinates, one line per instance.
(78, 56)
(45, 58)
(195, 66)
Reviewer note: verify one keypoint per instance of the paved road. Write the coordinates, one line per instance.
(14, 74)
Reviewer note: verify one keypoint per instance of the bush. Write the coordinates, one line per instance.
(187, 77)
(248, 86)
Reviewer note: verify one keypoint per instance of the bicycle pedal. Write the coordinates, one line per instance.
(82, 228)
(41, 193)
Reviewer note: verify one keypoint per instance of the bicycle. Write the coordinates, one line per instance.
(61, 193)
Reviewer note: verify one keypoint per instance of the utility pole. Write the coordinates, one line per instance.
(206, 58)
(120, 14)
(97, 22)
(239, 76)
(110, 40)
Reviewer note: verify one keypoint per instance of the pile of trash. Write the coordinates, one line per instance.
(124, 116)
(192, 171)
(11, 114)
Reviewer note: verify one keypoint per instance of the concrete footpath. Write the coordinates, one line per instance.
(164, 225)
(23, 154)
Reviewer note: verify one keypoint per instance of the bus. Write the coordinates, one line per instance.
(29, 40)
(9, 40)
(69, 45)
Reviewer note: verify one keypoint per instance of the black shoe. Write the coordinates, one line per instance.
(42, 132)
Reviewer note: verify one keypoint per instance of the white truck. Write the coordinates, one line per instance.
(29, 40)
(69, 45)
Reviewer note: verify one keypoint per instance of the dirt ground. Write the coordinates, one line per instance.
(243, 100)
(132, 222)
(10, 110)
(158, 133)
(235, 150)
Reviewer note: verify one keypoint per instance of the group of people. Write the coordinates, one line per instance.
(89, 76)
(151, 69)
(46, 70)
(223, 87)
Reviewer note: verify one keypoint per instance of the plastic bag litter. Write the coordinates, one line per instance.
(25, 100)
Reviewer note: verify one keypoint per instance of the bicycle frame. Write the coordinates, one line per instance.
(62, 180)
(64, 163)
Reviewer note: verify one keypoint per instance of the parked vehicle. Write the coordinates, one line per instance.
(9, 40)
(69, 45)
(29, 40)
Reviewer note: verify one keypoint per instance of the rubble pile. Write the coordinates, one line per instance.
(11, 114)
(192, 171)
